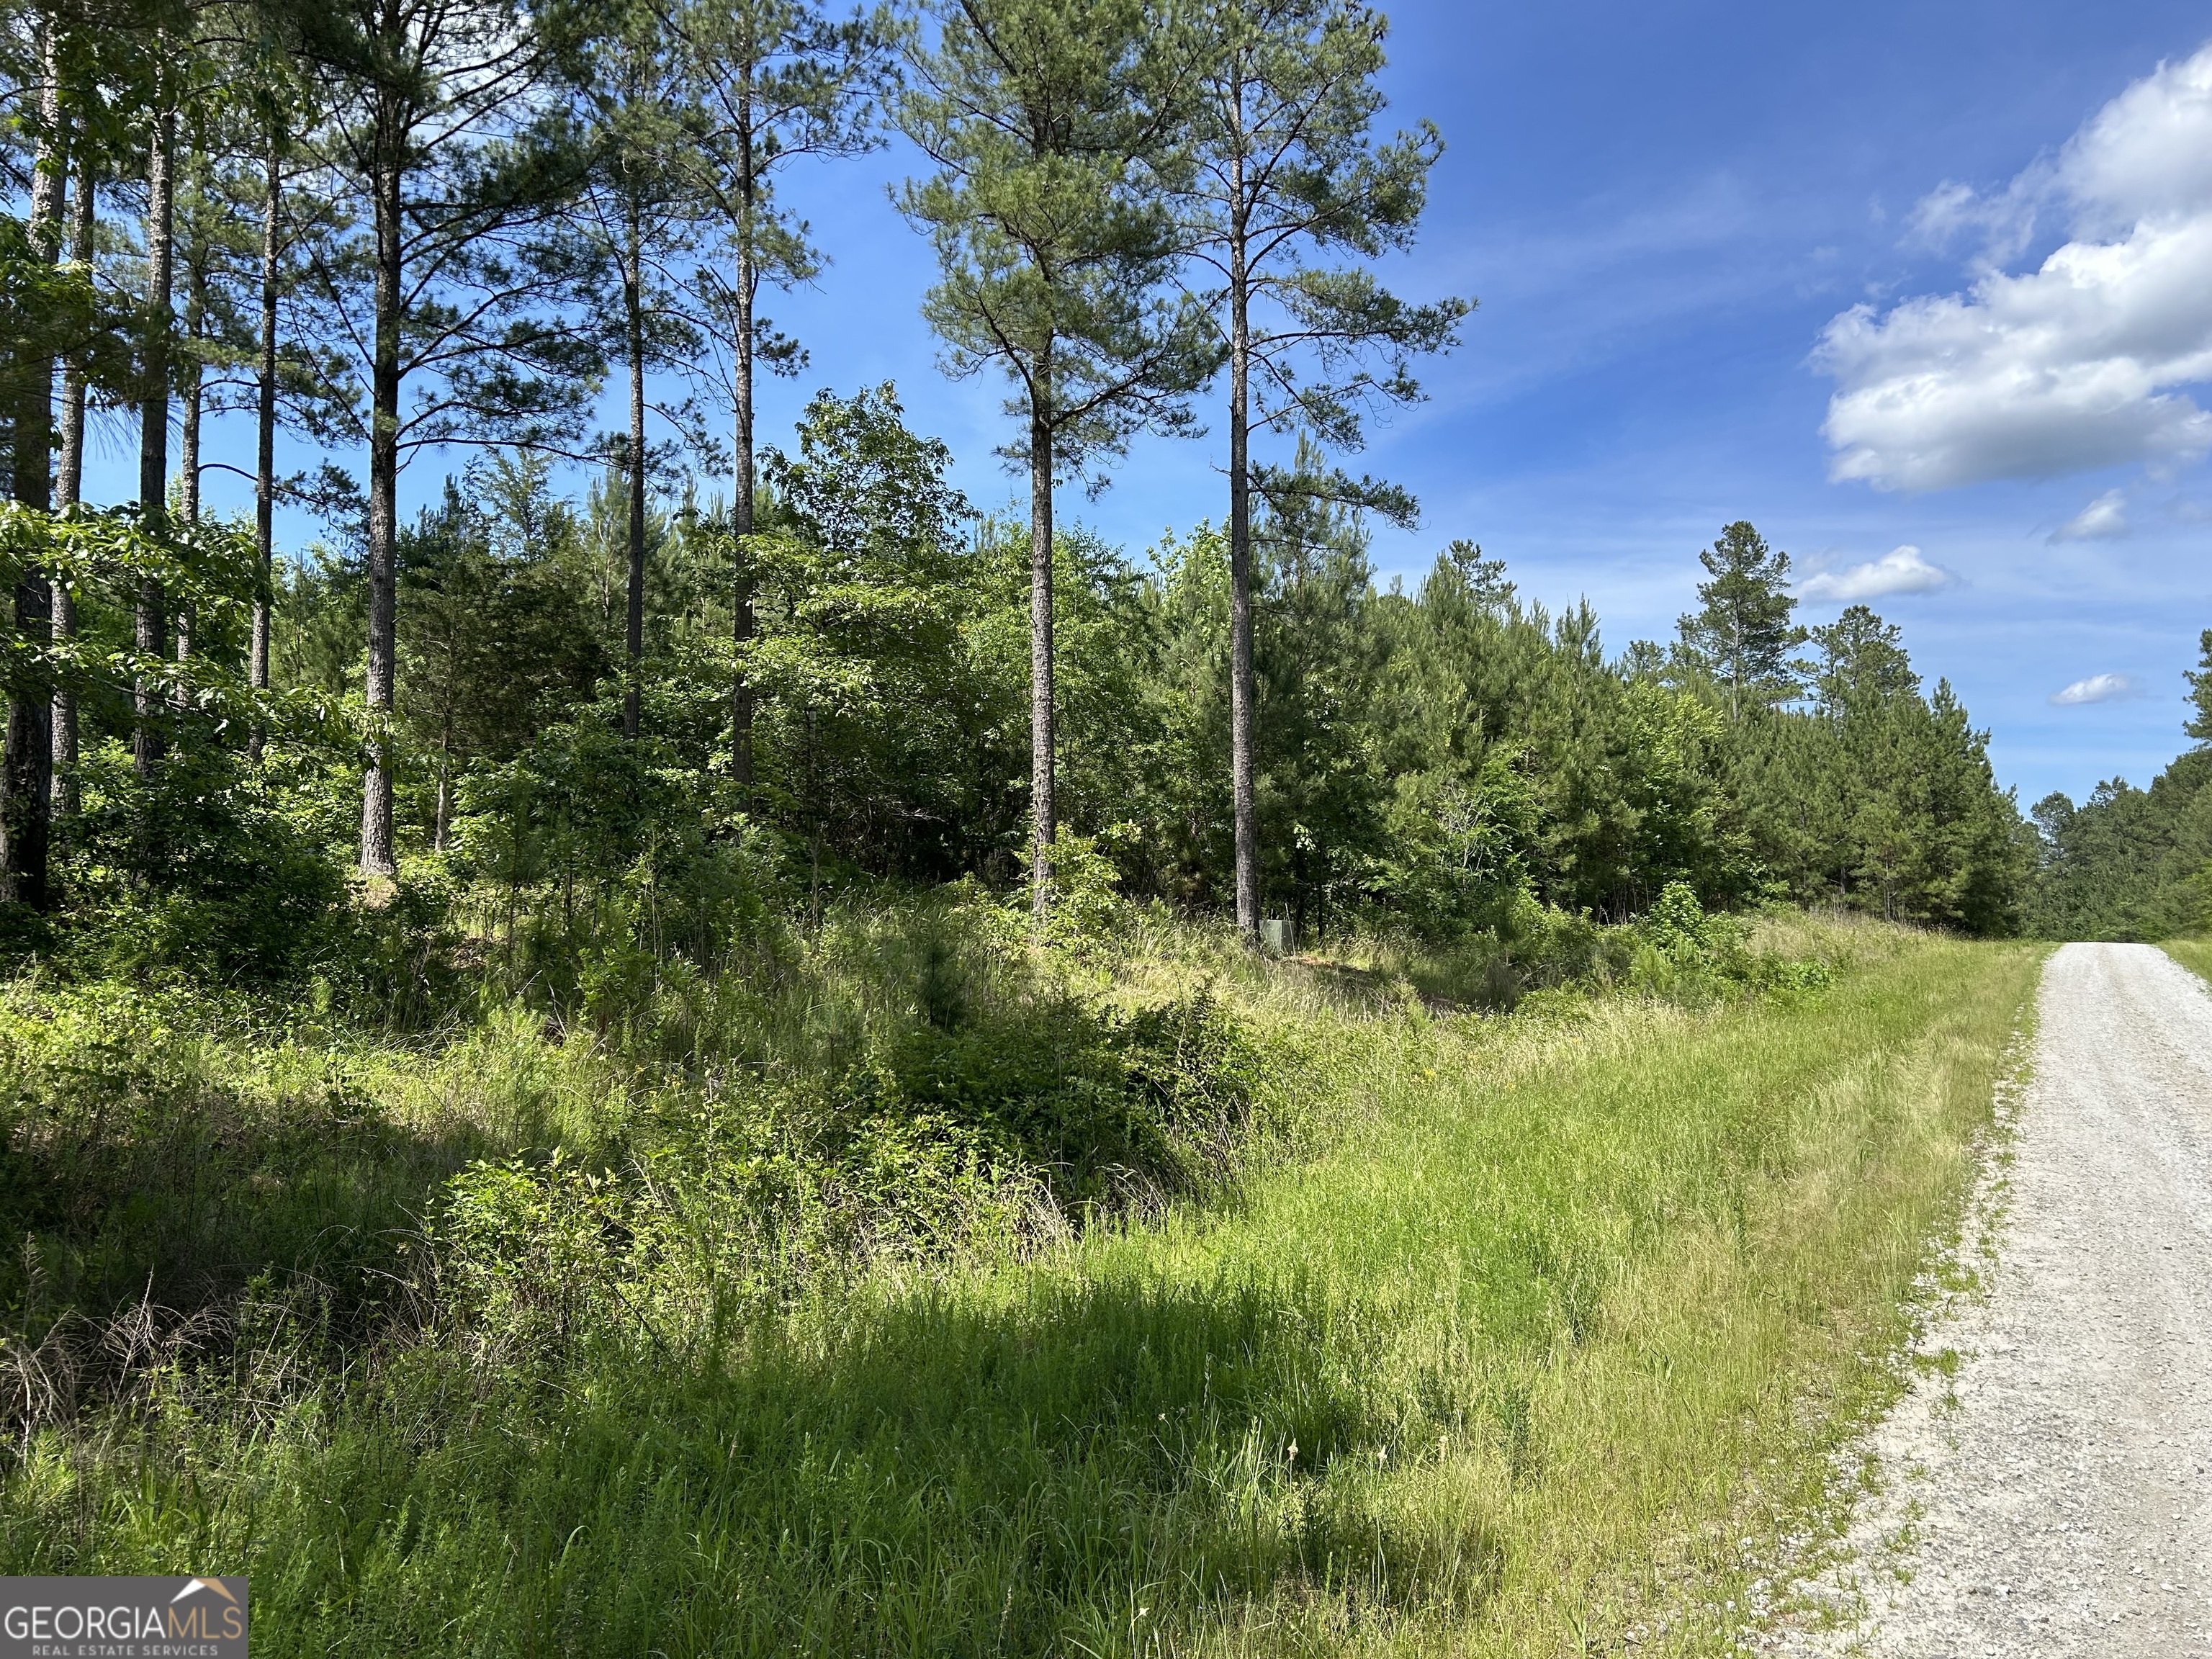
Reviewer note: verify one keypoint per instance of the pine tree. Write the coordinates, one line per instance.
(1051, 123)
(26, 389)
(775, 82)
(1287, 169)
(639, 210)
(1743, 628)
(444, 289)
(2199, 725)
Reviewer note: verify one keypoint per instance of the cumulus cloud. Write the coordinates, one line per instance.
(2097, 688)
(2104, 519)
(2080, 363)
(1901, 570)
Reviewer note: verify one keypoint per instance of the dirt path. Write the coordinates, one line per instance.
(2054, 1495)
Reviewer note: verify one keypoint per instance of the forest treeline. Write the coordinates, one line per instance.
(743, 673)
(2129, 863)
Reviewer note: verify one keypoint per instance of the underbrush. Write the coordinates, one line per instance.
(190, 1168)
(902, 1289)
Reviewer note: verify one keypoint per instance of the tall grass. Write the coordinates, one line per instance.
(1513, 1336)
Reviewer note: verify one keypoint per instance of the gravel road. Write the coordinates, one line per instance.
(2054, 1494)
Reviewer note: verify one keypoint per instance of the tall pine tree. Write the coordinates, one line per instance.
(1053, 125)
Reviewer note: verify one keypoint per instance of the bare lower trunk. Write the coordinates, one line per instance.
(27, 766)
(445, 786)
(1040, 709)
(264, 459)
(26, 772)
(188, 456)
(741, 525)
(379, 855)
(1242, 687)
(151, 633)
(69, 488)
(633, 303)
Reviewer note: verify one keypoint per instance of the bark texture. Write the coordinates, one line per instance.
(68, 489)
(379, 855)
(152, 631)
(1243, 764)
(742, 625)
(633, 316)
(1041, 813)
(27, 766)
(265, 454)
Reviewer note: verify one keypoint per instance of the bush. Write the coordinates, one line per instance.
(213, 869)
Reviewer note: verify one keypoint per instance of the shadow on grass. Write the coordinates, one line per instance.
(1096, 1464)
(145, 1225)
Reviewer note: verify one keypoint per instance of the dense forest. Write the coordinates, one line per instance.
(741, 674)
(2129, 863)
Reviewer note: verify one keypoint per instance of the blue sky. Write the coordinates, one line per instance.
(1664, 211)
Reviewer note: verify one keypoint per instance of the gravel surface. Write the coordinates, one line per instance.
(2052, 1493)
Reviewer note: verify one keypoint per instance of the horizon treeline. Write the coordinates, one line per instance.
(2133, 864)
(735, 675)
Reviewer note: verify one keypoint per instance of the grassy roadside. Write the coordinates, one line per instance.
(2194, 954)
(1542, 1339)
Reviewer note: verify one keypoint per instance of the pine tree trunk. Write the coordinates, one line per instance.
(743, 625)
(1041, 819)
(377, 854)
(188, 458)
(27, 766)
(69, 488)
(634, 310)
(1242, 687)
(26, 772)
(152, 631)
(264, 456)
(445, 782)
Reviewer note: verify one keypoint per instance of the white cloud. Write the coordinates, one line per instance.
(2097, 688)
(2104, 519)
(2080, 363)
(1902, 570)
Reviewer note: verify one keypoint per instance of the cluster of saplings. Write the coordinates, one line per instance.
(734, 680)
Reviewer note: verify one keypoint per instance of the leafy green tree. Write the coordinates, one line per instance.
(862, 599)
(1287, 168)
(1053, 124)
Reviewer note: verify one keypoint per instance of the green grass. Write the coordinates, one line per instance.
(2194, 954)
(1518, 1335)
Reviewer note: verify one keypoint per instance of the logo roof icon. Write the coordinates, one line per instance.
(193, 1585)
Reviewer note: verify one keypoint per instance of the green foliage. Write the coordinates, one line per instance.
(1743, 629)
(1087, 904)
(1049, 125)
(1676, 925)
(2128, 863)
(1879, 798)
(246, 889)
(2199, 725)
